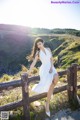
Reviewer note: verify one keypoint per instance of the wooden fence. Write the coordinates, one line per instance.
(71, 88)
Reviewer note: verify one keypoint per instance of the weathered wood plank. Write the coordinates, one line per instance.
(78, 67)
(72, 87)
(25, 97)
(14, 105)
(10, 84)
(39, 96)
(72, 84)
(11, 106)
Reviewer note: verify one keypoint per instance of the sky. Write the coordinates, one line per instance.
(41, 13)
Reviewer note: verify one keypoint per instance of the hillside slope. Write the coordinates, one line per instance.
(16, 43)
(69, 51)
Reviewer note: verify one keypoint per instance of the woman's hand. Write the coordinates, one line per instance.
(29, 72)
(50, 71)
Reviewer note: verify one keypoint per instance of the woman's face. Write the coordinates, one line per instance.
(39, 44)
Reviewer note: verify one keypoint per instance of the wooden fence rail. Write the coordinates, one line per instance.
(71, 88)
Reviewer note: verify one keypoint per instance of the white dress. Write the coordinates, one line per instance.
(45, 77)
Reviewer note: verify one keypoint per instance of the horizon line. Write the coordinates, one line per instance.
(37, 27)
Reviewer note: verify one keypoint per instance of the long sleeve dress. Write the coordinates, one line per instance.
(45, 77)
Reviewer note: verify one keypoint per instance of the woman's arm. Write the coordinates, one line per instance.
(33, 63)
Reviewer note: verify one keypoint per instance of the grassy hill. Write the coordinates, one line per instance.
(69, 51)
(16, 43)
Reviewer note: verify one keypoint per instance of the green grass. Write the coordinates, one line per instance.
(64, 46)
(57, 102)
(68, 52)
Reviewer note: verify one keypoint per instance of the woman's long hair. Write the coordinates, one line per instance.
(34, 49)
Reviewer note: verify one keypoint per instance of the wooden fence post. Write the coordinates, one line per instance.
(25, 97)
(72, 84)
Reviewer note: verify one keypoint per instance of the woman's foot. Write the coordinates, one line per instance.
(48, 113)
(47, 109)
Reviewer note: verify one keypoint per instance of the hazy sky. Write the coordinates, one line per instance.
(41, 13)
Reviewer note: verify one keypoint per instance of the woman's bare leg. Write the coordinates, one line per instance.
(54, 82)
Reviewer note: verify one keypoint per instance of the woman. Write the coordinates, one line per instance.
(48, 74)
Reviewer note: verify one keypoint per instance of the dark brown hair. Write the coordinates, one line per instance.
(34, 49)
